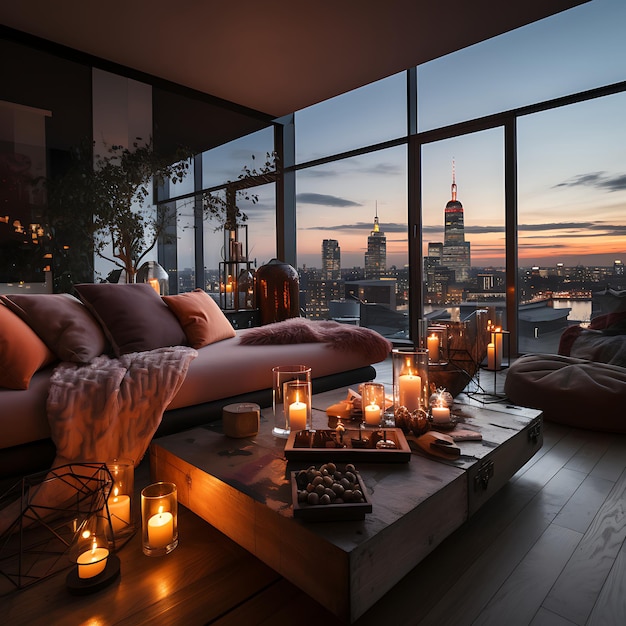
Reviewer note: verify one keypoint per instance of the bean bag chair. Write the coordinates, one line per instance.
(570, 391)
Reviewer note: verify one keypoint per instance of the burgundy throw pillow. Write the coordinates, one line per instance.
(133, 316)
(62, 322)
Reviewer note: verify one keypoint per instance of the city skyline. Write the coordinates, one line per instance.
(571, 180)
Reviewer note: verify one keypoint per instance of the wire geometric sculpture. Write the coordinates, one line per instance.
(39, 518)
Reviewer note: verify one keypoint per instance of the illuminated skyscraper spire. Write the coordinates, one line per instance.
(376, 255)
(456, 251)
(453, 188)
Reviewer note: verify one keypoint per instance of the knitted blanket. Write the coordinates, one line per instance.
(104, 410)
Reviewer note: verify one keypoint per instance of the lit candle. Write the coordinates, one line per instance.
(491, 357)
(410, 390)
(297, 416)
(441, 414)
(154, 283)
(119, 509)
(160, 529)
(498, 347)
(433, 347)
(372, 414)
(92, 562)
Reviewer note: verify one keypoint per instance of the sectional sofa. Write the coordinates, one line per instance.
(40, 334)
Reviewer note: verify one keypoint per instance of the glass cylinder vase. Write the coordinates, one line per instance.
(373, 403)
(282, 374)
(297, 404)
(410, 379)
(159, 518)
(120, 499)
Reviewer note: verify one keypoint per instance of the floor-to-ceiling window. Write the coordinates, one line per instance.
(463, 231)
(571, 215)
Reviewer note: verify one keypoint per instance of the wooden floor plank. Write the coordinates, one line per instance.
(574, 594)
(520, 597)
(544, 617)
(584, 505)
(610, 607)
(464, 600)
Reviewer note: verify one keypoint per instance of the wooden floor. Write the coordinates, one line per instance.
(548, 549)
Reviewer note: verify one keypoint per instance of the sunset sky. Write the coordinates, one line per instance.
(571, 161)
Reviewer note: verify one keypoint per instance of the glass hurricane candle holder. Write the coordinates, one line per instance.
(297, 402)
(282, 374)
(437, 345)
(159, 518)
(120, 499)
(410, 379)
(373, 403)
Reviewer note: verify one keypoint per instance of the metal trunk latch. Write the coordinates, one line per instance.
(483, 475)
(534, 432)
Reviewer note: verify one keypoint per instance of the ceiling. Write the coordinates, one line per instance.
(274, 56)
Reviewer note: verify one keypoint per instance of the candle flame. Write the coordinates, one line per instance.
(161, 510)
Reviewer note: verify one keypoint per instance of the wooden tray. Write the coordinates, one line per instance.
(305, 445)
(344, 511)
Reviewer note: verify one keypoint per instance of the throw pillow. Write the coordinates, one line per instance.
(133, 316)
(22, 352)
(64, 324)
(201, 318)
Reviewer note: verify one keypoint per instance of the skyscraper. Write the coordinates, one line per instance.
(376, 255)
(456, 251)
(331, 259)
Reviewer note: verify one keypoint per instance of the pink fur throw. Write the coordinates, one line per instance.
(336, 335)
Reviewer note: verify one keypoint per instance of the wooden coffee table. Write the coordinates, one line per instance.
(242, 488)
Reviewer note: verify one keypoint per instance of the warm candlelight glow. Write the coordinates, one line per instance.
(92, 562)
(161, 529)
(297, 415)
(372, 414)
(410, 391)
(433, 347)
(154, 283)
(119, 510)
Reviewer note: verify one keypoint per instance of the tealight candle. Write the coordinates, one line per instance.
(92, 562)
(161, 529)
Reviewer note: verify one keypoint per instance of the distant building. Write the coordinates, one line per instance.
(382, 291)
(319, 294)
(376, 255)
(456, 251)
(618, 268)
(331, 259)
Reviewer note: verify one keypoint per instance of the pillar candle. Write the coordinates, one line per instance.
(119, 509)
(160, 529)
(372, 414)
(441, 414)
(433, 348)
(491, 357)
(410, 391)
(297, 416)
(498, 348)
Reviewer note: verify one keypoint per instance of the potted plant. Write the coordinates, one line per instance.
(104, 199)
